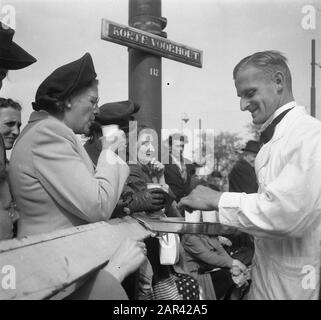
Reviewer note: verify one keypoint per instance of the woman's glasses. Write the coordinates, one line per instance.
(95, 104)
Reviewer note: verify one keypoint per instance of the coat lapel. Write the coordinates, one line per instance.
(264, 154)
(287, 122)
(83, 153)
(176, 170)
(262, 157)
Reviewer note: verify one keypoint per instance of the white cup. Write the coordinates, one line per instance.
(110, 130)
(210, 216)
(194, 216)
(151, 185)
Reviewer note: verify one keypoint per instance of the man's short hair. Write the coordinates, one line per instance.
(177, 137)
(9, 103)
(267, 61)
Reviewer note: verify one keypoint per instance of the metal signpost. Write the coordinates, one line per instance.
(147, 44)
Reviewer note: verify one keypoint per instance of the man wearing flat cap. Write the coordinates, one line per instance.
(242, 177)
(12, 57)
(112, 113)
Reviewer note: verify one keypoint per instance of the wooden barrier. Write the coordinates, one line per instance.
(51, 266)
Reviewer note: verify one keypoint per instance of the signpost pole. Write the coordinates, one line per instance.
(313, 78)
(147, 45)
(145, 69)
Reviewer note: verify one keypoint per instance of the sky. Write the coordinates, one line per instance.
(57, 32)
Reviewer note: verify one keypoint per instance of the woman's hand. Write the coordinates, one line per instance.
(157, 167)
(158, 170)
(238, 267)
(240, 273)
(150, 200)
(225, 241)
(126, 259)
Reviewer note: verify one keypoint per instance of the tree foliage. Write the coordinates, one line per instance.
(226, 145)
(253, 130)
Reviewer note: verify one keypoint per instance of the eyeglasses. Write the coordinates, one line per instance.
(95, 104)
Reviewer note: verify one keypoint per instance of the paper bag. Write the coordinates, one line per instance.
(169, 248)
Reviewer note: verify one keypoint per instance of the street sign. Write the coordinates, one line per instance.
(138, 39)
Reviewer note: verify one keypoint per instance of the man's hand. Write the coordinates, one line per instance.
(201, 198)
(127, 258)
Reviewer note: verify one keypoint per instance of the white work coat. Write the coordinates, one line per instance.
(284, 216)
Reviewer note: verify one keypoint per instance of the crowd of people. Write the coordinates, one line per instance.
(53, 182)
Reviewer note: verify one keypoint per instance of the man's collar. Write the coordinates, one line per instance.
(278, 111)
(177, 162)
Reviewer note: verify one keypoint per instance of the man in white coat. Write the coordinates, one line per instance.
(284, 216)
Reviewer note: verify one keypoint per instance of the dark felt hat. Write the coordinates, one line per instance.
(216, 174)
(65, 81)
(252, 146)
(12, 56)
(120, 113)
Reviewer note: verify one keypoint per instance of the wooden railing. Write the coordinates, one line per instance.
(51, 266)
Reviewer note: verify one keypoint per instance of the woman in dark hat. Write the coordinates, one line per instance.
(53, 180)
(62, 176)
(12, 57)
(112, 113)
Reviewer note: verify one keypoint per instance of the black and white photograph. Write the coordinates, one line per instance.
(160, 150)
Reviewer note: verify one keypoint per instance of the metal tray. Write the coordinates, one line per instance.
(179, 225)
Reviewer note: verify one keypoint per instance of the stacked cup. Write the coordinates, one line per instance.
(110, 130)
(194, 216)
(210, 216)
(207, 216)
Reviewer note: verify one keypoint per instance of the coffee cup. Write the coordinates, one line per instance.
(210, 216)
(110, 130)
(152, 185)
(194, 216)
